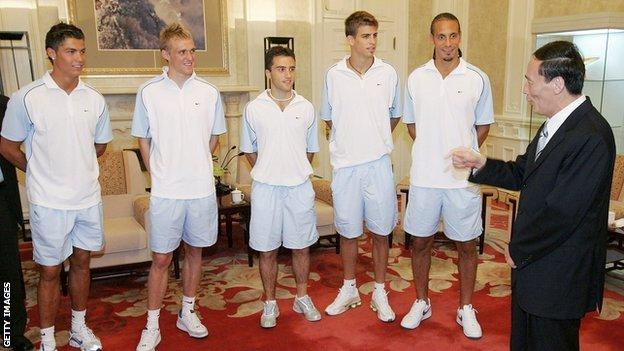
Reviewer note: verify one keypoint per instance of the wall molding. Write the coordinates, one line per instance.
(584, 21)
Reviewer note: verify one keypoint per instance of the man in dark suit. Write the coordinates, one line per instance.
(558, 243)
(10, 214)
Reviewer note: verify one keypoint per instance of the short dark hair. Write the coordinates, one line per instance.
(59, 32)
(562, 59)
(445, 16)
(277, 50)
(357, 20)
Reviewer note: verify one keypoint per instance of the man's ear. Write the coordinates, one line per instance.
(350, 40)
(558, 84)
(165, 54)
(51, 53)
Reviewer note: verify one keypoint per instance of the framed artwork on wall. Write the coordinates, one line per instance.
(121, 36)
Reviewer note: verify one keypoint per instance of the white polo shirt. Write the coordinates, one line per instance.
(180, 122)
(59, 131)
(445, 112)
(282, 139)
(360, 110)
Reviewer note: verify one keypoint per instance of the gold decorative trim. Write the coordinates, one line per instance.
(121, 71)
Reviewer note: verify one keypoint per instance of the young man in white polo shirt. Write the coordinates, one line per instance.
(64, 125)
(279, 137)
(361, 106)
(178, 118)
(448, 104)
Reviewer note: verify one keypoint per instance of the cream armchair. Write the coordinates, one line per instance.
(324, 204)
(125, 203)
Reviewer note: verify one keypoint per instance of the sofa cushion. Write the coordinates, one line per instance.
(617, 207)
(324, 213)
(123, 234)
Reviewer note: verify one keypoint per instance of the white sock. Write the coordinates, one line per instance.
(152, 319)
(301, 297)
(188, 305)
(47, 337)
(77, 320)
(380, 286)
(349, 283)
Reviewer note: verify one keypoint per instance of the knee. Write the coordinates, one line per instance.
(421, 245)
(161, 261)
(467, 249)
(49, 273)
(300, 252)
(380, 239)
(269, 255)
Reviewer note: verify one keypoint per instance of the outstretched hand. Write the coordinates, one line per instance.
(465, 158)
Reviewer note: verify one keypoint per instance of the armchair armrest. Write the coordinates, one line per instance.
(322, 188)
(141, 205)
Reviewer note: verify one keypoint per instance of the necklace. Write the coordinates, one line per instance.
(355, 69)
(292, 95)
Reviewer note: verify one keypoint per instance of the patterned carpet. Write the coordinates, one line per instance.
(230, 300)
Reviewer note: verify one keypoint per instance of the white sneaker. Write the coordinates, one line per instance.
(467, 319)
(269, 315)
(306, 306)
(191, 324)
(348, 297)
(150, 338)
(420, 311)
(84, 339)
(379, 304)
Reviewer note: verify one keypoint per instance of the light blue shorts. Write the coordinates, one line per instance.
(282, 215)
(195, 221)
(56, 232)
(460, 210)
(365, 193)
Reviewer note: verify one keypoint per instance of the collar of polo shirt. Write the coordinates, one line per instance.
(296, 97)
(460, 69)
(51, 84)
(342, 64)
(165, 71)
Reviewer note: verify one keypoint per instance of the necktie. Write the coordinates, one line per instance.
(541, 143)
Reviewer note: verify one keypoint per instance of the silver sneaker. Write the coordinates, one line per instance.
(269, 315)
(84, 339)
(150, 338)
(191, 324)
(348, 297)
(306, 306)
(420, 311)
(467, 319)
(379, 304)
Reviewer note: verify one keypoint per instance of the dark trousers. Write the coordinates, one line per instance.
(532, 333)
(10, 267)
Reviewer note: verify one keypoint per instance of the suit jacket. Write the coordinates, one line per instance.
(558, 241)
(8, 188)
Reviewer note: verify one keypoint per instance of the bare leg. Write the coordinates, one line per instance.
(79, 278)
(467, 270)
(48, 294)
(380, 257)
(157, 280)
(421, 263)
(348, 253)
(268, 272)
(301, 266)
(191, 272)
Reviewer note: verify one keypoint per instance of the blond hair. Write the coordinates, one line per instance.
(174, 30)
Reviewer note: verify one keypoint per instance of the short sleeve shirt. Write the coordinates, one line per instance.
(59, 131)
(282, 139)
(180, 123)
(360, 109)
(445, 112)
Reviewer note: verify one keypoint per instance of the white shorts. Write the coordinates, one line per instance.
(56, 232)
(194, 220)
(282, 215)
(460, 210)
(365, 193)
